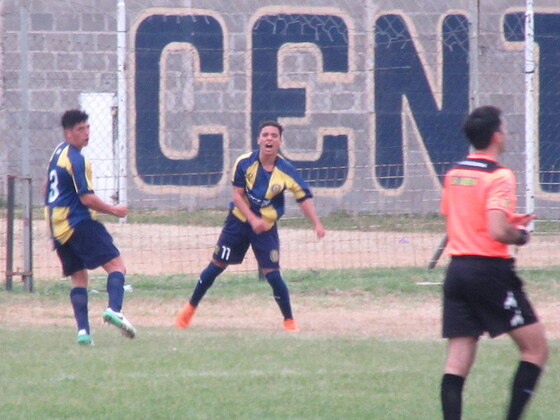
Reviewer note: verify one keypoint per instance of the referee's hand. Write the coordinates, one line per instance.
(521, 219)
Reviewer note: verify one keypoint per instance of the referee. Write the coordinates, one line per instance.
(482, 293)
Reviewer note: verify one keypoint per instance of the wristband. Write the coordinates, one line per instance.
(523, 237)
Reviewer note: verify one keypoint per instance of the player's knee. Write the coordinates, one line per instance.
(120, 268)
(270, 270)
(538, 355)
(116, 264)
(538, 359)
(219, 264)
(544, 355)
(535, 350)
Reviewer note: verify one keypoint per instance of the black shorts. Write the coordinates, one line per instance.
(90, 246)
(236, 237)
(482, 294)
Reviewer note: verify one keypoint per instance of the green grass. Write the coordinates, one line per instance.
(216, 373)
(337, 220)
(396, 281)
(169, 374)
(367, 283)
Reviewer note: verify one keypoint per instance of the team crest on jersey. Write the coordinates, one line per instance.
(276, 188)
(274, 255)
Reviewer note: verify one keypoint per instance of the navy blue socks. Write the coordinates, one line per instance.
(281, 294)
(205, 281)
(115, 290)
(79, 301)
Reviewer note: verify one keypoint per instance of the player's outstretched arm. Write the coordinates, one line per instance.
(308, 209)
(95, 203)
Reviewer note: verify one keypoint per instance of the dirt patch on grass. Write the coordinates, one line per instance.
(384, 317)
(166, 249)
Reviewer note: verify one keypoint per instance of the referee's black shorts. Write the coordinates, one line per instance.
(483, 294)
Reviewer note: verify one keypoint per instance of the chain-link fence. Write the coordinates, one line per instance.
(372, 95)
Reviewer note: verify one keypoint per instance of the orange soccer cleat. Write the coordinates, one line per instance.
(290, 325)
(184, 316)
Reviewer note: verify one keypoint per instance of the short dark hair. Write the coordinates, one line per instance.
(271, 124)
(72, 117)
(481, 124)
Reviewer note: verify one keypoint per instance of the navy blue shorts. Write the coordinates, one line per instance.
(482, 294)
(90, 246)
(235, 239)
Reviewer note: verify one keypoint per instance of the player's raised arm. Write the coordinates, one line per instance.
(308, 210)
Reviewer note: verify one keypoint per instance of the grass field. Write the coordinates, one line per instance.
(253, 370)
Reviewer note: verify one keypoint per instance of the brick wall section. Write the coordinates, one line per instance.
(72, 49)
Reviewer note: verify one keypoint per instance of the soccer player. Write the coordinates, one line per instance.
(482, 292)
(259, 180)
(80, 241)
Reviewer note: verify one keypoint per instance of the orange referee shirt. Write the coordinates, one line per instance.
(470, 189)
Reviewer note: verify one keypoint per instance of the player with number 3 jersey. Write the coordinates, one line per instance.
(69, 176)
(82, 242)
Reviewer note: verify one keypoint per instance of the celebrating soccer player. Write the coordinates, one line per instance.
(259, 180)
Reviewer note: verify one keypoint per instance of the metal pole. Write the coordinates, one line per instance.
(121, 102)
(473, 55)
(27, 275)
(10, 233)
(26, 188)
(529, 110)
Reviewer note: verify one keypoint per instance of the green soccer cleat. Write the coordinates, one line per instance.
(84, 338)
(118, 320)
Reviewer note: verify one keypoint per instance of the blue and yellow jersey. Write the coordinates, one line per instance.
(264, 191)
(69, 176)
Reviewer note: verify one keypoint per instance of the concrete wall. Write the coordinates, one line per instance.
(371, 93)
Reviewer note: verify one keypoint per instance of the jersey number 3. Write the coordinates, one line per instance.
(53, 186)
